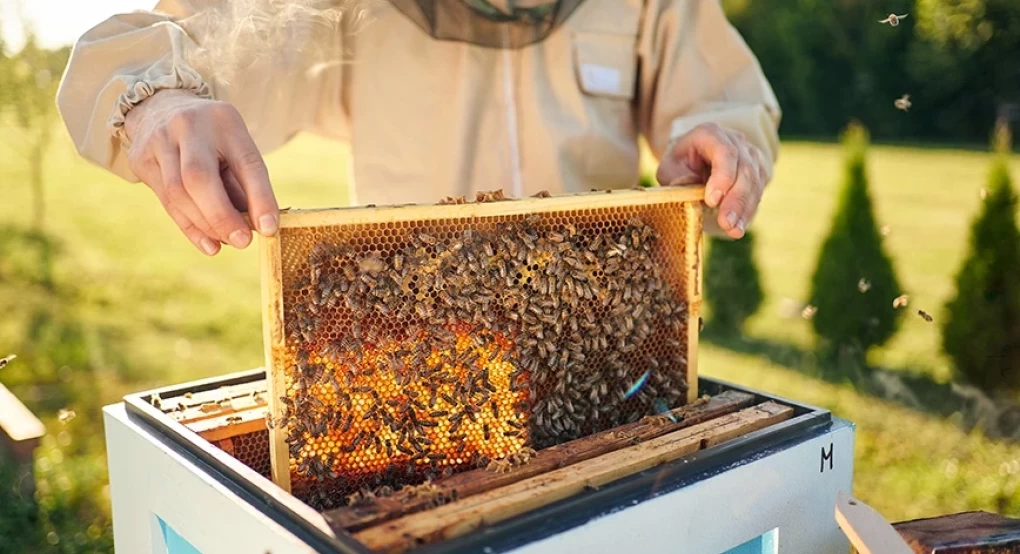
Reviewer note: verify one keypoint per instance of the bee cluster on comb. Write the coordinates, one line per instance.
(416, 349)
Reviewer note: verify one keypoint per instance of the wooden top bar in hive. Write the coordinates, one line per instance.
(411, 342)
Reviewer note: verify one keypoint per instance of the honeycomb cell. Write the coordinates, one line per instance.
(417, 349)
(251, 449)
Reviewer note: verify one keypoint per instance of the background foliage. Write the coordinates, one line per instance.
(854, 282)
(732, 284)
(830, 60)
(982, 328)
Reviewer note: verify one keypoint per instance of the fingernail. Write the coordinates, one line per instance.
(732, 218)
(267, 224)
(239, 238)
(714, 198)
(742, 225)
(209, 246)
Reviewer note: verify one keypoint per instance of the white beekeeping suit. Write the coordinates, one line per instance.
(534, 97)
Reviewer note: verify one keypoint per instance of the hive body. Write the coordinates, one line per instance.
(408, 343)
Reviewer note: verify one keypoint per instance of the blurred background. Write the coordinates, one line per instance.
(880, 281)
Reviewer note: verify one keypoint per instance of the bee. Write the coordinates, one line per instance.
(903, 103)
(901, 301)
(456, 424)
(65, 416)
(485, 431)
(808, 312)
(925, 316)
(893, 20)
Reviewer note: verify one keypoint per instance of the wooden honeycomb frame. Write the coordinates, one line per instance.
(687, 199)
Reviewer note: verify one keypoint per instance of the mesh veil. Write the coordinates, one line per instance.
(488, 23)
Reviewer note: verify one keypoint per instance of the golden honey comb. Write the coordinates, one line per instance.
(406, 343)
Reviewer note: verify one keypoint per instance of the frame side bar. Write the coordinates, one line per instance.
(693, 263)
(273, 339)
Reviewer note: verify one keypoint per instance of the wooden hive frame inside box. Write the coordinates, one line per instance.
(672, 214)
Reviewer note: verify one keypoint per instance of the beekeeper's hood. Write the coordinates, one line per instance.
(490, 23)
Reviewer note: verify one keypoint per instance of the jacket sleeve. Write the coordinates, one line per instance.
(696, 69)
(282, 82)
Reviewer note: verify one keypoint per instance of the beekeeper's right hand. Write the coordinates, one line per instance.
(199, 159)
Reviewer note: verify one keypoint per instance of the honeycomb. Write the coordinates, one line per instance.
(416, 349)
(251, 449)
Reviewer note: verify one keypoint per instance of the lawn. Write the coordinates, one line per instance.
(114, 300)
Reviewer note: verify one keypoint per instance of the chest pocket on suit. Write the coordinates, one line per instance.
(606, 64)
(606, 68)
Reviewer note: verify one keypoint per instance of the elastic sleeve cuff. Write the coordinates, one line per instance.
(182, 78)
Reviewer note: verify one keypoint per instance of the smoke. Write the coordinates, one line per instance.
(237, 36)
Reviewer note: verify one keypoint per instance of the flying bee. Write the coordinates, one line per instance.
(65, 415)
(903, 103)
(893, 20)
(901, 301)
(925, 316)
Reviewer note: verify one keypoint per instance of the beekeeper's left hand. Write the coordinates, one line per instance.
(733, 170)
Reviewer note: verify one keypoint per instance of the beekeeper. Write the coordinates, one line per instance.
(436, 98)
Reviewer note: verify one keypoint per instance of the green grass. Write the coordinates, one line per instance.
(130, 304)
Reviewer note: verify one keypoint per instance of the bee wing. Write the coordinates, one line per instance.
(904, 16)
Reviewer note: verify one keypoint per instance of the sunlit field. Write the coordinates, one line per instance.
(114, 300)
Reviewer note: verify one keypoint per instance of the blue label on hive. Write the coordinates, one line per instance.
(172, 541)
